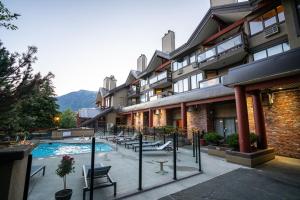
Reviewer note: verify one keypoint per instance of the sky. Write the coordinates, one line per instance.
(82, 42)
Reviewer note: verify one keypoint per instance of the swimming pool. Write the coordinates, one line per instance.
(58, 148)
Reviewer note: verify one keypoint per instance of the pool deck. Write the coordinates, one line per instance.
(124, 171)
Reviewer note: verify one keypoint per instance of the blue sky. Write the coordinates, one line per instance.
(81, 42)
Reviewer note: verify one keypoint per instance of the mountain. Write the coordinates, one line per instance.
(77, 100)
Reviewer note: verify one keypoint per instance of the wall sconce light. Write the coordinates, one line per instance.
(157, 112)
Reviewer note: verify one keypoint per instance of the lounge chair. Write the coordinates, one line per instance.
(100, 172)
(36, 169)
(151, 144)
(131, 143)
(113, 137)
(127, 139)
(164, 147)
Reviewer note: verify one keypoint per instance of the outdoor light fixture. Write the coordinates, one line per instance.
(191, 109)
(157, 112)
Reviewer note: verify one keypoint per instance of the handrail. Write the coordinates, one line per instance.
(221, 47)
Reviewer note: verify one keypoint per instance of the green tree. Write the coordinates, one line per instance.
(68, 119)
(6, 17)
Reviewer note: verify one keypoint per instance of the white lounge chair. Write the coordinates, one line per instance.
(164, 147)
(151, 144)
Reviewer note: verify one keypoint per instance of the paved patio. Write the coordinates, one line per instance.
(277, 179)
(124, 171)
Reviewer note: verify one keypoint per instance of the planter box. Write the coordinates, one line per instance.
(250, 159)
(217, 150)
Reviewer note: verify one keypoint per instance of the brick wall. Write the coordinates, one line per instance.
(160, 120)
(282, 120)
(128, 120)
(199, 119)
(250, 114)
(283, 123)
(138, 120)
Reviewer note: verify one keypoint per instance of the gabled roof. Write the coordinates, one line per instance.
(208, 26)
(133, 75)
(155, 62)
(100, 114)
(88, 112)
(116, 89)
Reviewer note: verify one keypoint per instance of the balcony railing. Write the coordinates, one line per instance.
(163, 79)
(217, 50)
(211, 82)
(133, 92)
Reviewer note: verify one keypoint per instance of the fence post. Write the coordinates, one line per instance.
(92, 170)
(164, 136)
(174, 157)
(193, 143)
(199, 152)
(196, 147)
(140, 160)
(154, 134)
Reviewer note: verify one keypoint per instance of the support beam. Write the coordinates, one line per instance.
(183, 116)
(242, 118)
(259, 119)
(150, 118)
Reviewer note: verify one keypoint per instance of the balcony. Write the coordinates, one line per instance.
(225, 53)
(211, 82)
(161, 95)
(162, 80)
(133, 93)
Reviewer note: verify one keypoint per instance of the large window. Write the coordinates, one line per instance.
(195, 80)
(181, 86)
(193, 58)
(178, 65)
(268, 19)
(144, 82)
(271, 51)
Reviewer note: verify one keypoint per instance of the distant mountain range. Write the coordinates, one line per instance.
(77, 100)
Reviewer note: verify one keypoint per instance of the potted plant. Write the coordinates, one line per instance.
(65, 167)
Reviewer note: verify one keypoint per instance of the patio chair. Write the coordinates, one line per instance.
(151, 144)
(36, 169)
(102, 178)
(113, 137)
(127, 139)
(131, 143)
(164, 147)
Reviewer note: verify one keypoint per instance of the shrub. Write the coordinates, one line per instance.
(233, 141)
(212, 138)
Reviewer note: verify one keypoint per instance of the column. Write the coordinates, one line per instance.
(242, 118)
(259, 121)
(183, 116)
(150, 118)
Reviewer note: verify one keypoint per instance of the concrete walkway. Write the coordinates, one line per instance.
(124, 171)
(278, 179)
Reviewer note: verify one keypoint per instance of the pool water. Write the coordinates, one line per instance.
(58, 148)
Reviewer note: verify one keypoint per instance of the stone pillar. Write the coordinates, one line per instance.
(242, 118)
(183, 116)
(259, 120)
(150, 118)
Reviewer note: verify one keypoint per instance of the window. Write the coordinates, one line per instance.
(260, 55)
(185, 84)
(193, 58)
(174, 66)
(271, 51)
(256, 26)
(195, 80)
(274, 50)
(151, 93)
(185, 62)
(144, 82)
(143, 98)
(181, 86)
(175, 87)
(280, 11)
(269, 18)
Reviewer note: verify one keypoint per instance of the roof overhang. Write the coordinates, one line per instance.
(279, 66)
(194, 95)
